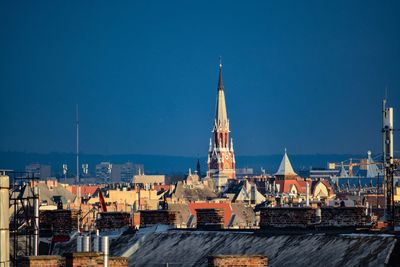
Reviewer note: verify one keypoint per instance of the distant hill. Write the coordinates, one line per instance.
(169, 165)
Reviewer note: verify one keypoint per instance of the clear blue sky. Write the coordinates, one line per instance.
(306, 75)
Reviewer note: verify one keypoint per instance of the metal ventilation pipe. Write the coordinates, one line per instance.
(36, 215)
(318, 215)
(307, 195)
(79, 243)
(4, 222)
(96, 242)
(105, 249)
(86, 243)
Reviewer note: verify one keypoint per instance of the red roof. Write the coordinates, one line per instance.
(285, 185)
(164, 187)
(301, 185)
(85, 189)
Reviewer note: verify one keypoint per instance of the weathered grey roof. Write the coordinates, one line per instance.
(47, 194)
(183, 213)
(244, 215)
(191, 248)
(192, 193)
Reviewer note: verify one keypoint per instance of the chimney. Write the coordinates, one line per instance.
(307, 195)
(4, 222)
(86, 243)
(105, 249)
(318, 215)
(79, 243)
(96, 242)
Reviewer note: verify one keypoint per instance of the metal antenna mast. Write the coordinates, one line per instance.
(77, 143)
(78, 193)
(388, 161)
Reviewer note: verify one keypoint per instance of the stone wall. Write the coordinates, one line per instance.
(210, 218)
(344, 216)
(287, 217)
(118, 262)
(237, 261)
(90, 259)
(59, 221)
(43, 261)
(153, 217)
(307, 217)
(113, 220)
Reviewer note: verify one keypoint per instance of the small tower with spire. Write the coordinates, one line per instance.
(285, 168)
(221, 158)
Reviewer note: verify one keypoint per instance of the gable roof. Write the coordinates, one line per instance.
(285, 185)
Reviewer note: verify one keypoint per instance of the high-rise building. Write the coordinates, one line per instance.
(103, 171)
(221, 157)
(40, 171)
(129, 169)
(108, 172)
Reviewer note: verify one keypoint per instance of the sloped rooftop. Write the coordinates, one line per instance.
(193, 193)
(191, 248)
(157, 246)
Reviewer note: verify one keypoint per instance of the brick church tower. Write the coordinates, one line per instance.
(221, 157)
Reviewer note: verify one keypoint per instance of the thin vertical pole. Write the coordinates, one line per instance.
(77, 143)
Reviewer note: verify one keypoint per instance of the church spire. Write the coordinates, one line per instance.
(221, 158)
(220, 80)
(221, 117)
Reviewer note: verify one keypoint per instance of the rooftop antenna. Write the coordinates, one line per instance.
(77, 143)
(78, 191)
(388, 161)
(78, 188)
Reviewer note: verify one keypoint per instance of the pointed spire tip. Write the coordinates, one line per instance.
(220, 81)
